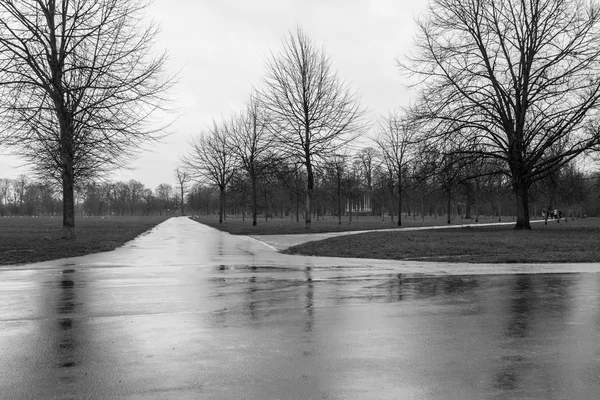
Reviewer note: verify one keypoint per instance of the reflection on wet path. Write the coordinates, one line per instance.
(64, 309)
(218, 330)
(214, 326)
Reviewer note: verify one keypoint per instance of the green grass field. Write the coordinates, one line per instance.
(27, 240)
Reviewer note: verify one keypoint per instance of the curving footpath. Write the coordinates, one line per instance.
(283, 242)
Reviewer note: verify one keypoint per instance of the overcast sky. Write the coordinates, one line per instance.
(220, 46)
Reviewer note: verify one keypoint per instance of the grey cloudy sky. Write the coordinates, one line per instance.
(220, 47)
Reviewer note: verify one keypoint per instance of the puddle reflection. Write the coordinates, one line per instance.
(309, 307)
(521, 308)
(537, 303)
(65, 306)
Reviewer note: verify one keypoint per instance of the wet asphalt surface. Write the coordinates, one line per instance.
(187, 312)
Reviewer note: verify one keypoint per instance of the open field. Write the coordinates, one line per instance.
(574, 241)
(287, 226)
(27, 240)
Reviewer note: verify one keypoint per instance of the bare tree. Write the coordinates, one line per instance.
(519, 79)
(336, 168)
(19, 188)
(313, 111)
(253, 145)
(4, 190)
(149, 200)
(368, 157)
(78, 87)
(164, 194)
(119, 196)
(96, 195)
(397, 139)
(136, 189)
(212, 160)
(183, 179)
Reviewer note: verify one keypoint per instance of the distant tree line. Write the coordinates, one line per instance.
(23, 196)
(362, 183)
(365, 184)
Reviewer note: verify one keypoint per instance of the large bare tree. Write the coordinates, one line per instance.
(211, 159)
(313, 112)
(183, 179)
(397, 141)
(518, 80)
(253, 145)
(78, 86)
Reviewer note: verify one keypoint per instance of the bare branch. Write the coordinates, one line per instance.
(79, 87)
(313, 112)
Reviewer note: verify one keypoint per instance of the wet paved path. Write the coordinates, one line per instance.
(188, 312)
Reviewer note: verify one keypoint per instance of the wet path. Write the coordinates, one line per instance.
(190, 312)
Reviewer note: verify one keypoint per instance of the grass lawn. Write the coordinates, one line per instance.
(27, 240)
(574, 241)
(287, 226)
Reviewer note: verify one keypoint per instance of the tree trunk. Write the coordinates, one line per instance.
(254, 202)
(499, 211)
(339, 195)
(399, 200)
(309, 191)
(68, 203)
(390, 205)
(221, 204)
(182, 210)
(449, 206)
(522, 198)
(266, 207)
(68, 179)
(297, 207)
(468, 201)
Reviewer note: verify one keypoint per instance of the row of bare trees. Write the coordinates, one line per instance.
(23, 196)
(129, 198)
(302, 114)
(365, 182)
